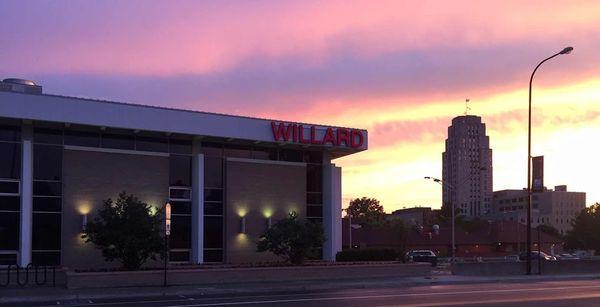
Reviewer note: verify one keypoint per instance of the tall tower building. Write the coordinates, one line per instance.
(467, 167)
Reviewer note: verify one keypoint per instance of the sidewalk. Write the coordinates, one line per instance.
(47, 294)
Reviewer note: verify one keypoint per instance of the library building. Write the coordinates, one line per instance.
(226, 177)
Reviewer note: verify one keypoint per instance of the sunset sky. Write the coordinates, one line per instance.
(399, 69)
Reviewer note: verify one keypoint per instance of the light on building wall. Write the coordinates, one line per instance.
(84, 222)
(243, 224)
(168, 219)
(268, 222)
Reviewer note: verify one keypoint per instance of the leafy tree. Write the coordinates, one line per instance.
(126, 230)
(292, 239)
(367, 209)
(586, 227)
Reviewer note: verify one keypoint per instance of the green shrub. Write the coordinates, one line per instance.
(370, 254)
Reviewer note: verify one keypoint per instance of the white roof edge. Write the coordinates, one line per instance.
(64, 109)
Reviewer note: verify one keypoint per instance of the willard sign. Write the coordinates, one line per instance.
(296, 133)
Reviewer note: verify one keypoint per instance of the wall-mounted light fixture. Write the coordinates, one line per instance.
(243, 224)
(84, 222)
(268, 222)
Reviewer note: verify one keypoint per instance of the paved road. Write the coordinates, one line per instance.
(551, 293)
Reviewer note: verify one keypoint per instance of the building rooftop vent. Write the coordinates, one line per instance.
(20, 86)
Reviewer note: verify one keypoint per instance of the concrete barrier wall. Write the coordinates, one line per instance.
(241, 275)
(564, 267)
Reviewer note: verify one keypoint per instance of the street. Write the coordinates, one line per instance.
(550, 293)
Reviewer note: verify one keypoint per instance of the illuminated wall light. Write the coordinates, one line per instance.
(83, 222)
(268, 222)
(243, 224)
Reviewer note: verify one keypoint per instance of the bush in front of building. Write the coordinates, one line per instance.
(292, 239)
(126, 230)
(370, 254)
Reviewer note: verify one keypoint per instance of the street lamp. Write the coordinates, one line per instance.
(566, 50)
(167, 234)
(440, 181)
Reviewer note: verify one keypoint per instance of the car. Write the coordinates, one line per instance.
(535, 255)
(422, 255)
(567, 256)
(512, 258)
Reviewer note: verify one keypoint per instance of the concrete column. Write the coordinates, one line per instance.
(332, 210)
(197, 206)
(26, 196)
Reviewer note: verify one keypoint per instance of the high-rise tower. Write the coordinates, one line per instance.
(467, 167)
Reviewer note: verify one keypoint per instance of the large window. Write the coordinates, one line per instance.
(10, 193)
(213, 200)
(180, 198)
(47, 197)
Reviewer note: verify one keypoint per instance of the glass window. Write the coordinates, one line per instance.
(45, 188)
(180, 172)
(10, 160)
(212, 149)
(291, 155)
(9, 230)
(314, 179)
(10, 203)
(45, 258)
(238, 151)
(10, 133)
(213, 232)
(213, 255)
(213, 195)
(176, 193)
(314, 211)
(47, 204)
(9, 187)
(213, 172)
(8, 259)
(148, 143)
(264, 153)
(46, 231)
(314, 198)
(82, 138)
(47, 162)
(118, 141)
(181, 231)
(313, 157)
(47, 136)
(213, 209)
(180, 146)
(179, 256)
(181, 207)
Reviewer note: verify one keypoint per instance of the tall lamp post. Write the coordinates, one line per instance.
(440, 181)
(167, 234)
(566, 50)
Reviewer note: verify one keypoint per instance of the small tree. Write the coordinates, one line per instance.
(126, 230)
(367, 209)
(292, 239)
(586, 227)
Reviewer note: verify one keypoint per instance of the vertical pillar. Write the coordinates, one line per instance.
(332, 210)
(197, 205)
(26, 195)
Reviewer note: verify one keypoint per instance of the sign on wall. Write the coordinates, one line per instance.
(298, 133)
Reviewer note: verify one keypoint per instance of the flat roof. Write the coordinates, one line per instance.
(111, 114)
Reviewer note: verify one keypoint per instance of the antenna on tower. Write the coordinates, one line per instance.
(467, 109)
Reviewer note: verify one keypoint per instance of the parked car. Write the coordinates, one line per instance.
(512, 258)
(535, 256)
(567, 256)
(422, 256)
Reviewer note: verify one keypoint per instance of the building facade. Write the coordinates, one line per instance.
(61, 157)
(557, 208)
(467, 167)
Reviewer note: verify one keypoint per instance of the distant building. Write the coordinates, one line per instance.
(413, 216)
(557, 208)
(467, 167)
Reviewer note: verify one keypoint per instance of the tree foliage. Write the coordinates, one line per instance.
(126, 230)
(292, 239)
(586, 230)
(367, 209)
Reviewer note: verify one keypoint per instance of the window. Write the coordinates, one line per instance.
(180, 146)
(177, 193)
(238, 151)
(47, 188)
(291, 155)
(181, 231)
(149, 143)
(9, 230)
(46, 231)
(213, 232)
(213, 195)
(47, 204)
(314, 211)
(213, 172)
(10, 203)
(10, 160)
(82, 138)
(118, 141)
(180, 172)
(10, 133)
(181, 207)
(9, 187)
(47, 162)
